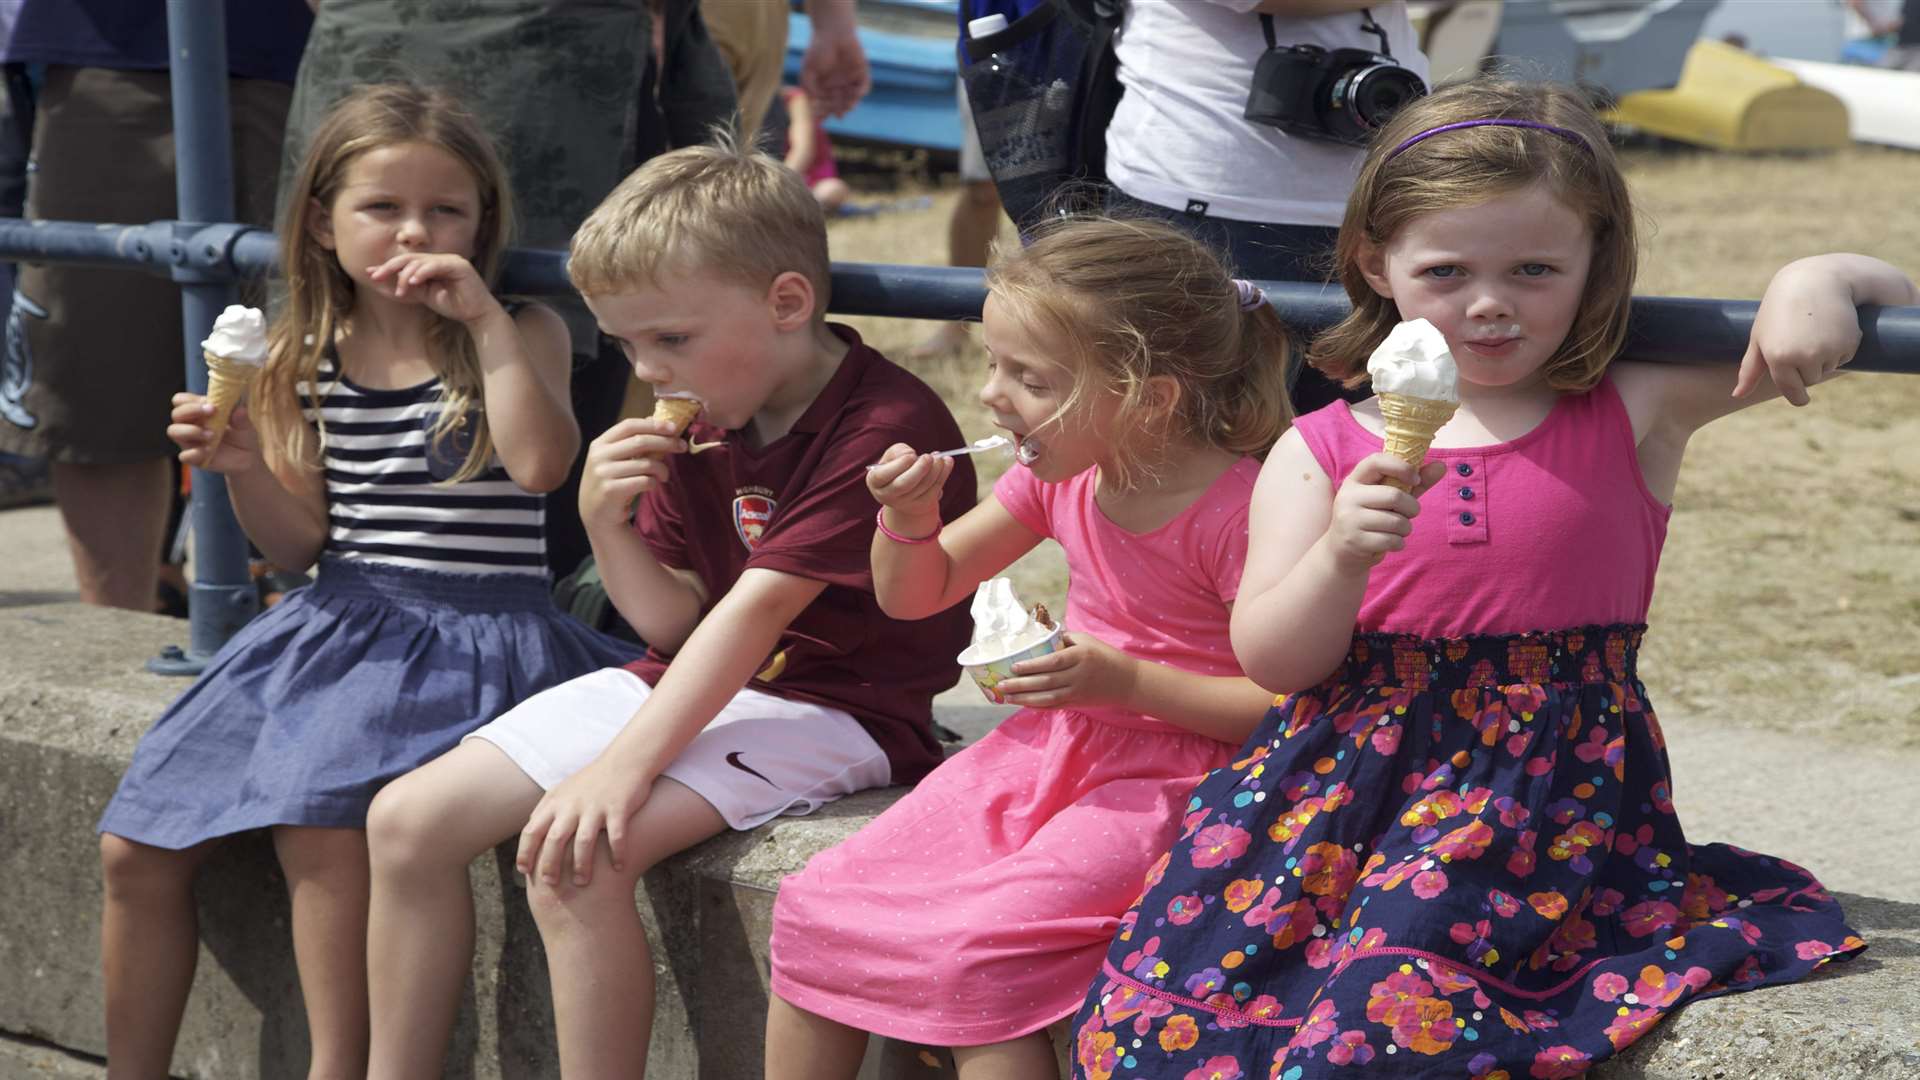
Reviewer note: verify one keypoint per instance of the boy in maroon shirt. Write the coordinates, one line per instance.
(774, 682)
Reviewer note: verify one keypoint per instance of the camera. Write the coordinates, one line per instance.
(1339, 95)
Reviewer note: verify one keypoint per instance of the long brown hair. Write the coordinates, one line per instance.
(1136, 299)
(1467, 167)
(319, 294)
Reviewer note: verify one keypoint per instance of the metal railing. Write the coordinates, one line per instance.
(206, 254)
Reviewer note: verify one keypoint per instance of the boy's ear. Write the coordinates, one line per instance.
(1372, 260)
(319, 224)
(791, 299)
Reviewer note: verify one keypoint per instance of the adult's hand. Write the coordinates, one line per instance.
(834, 71)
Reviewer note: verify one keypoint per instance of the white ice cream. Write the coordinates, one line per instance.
(239, 334)
(1414, 362)
(1001, 624)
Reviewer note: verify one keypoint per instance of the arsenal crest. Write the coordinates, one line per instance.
(752, 512)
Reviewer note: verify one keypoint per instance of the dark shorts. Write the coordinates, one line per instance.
(94, 355)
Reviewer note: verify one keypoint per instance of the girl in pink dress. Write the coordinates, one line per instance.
(1452, 850)
(1139, 379)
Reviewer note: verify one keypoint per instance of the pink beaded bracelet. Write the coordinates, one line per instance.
(880, 519)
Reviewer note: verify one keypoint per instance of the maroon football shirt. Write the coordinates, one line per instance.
(800, 505)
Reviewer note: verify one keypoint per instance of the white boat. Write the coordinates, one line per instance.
(1882, 106)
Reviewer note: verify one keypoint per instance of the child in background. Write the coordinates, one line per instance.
(809, 152)
(401, 431)
(745, 566)
(1452, 850)
(1138, 378)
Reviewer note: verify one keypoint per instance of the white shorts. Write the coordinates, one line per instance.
(973, 160)
(763, 756)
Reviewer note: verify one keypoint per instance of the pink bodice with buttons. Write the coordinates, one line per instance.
(1554, 529)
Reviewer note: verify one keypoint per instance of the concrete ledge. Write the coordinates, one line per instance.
(74, 699)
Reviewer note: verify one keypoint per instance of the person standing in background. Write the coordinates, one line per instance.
(971, 227)
(23, 480)
(91, 394)
(1180, 147)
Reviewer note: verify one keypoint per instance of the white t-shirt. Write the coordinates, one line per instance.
(1178, 133)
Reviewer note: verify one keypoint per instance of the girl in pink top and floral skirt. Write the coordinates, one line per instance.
(1452, 850)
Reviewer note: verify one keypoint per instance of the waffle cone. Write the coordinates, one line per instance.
(676, 411)
(1411, 424)
(227, 383)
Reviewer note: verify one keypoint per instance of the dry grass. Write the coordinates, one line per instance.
(1789, 595)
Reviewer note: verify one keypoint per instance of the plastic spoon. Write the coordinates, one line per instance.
(991, 442)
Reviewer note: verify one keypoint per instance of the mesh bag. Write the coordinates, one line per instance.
(1042, 91)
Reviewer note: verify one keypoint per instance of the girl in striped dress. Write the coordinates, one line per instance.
(402, 433)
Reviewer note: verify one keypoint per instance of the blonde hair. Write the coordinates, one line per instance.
(1136, 300)
(721, 208)
(1467, 167)
(319, 294)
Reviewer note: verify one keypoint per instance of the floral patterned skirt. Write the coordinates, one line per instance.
(1453, 858)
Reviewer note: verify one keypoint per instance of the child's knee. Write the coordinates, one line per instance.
(405, 827)
(565, 905)
(130, 868)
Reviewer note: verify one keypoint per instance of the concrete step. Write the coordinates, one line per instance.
(74, 699)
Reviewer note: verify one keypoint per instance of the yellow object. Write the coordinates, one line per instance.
(227, 384)
(1411, 424)
(1729, 99)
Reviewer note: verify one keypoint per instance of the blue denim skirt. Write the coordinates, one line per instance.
(371, 671)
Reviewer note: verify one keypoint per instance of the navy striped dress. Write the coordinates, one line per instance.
(430, 615)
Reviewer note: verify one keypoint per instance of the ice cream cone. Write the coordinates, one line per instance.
(1411, 424)
(678, 411)
(227, 383)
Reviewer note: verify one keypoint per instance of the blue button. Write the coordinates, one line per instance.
(1466, 493)
(1466, 518)
(1463, 469)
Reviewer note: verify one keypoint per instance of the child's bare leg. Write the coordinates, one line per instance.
(327, 881)
(149, 943)
(422, 832)
(597, 953)
(1029, 1057)
(807, 1046)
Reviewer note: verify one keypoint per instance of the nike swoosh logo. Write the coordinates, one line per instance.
(733, 759)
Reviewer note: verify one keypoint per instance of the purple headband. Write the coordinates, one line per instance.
(1250, 295)
(1571, 136)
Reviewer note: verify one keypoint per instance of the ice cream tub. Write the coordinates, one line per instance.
(1005, 633)
(989, 672)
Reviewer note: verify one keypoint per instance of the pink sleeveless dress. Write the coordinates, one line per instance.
(1458, 855)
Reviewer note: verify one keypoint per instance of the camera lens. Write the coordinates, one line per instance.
(1380, 91)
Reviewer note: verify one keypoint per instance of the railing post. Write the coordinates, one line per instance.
(222, 598)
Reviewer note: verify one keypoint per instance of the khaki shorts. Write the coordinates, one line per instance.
(752, 37)
(94, 355)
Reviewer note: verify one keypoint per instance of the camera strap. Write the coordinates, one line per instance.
(1366, 23)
